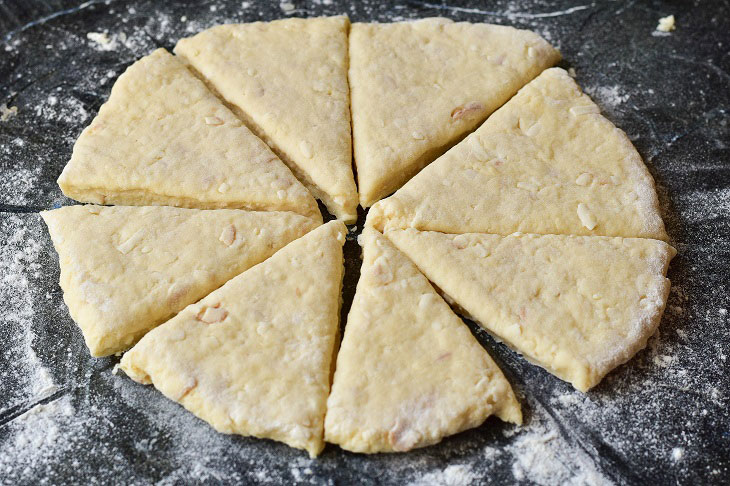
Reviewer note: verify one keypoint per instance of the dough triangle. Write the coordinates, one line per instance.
(124, 270)
(287, 79)
(254, 357)
(550, 297)
(418, 87)
(546, 162)
(409, 372)
(163, 138)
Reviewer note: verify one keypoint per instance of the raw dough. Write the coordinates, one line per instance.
(164, 138)
(418, 87)
(124, 270)
(546, 162)
(287, 80)
(409, 372)
(255, 356)
(576, 305)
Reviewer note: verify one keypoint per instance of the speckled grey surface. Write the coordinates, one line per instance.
(662, 418)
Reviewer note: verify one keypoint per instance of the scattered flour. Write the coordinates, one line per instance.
(28, 380)
(64, 109)
(17, 184)
(452, 475)
(608, 96)
(541, 456)
(34, 438)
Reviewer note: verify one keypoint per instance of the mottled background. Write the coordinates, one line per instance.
(662, 418)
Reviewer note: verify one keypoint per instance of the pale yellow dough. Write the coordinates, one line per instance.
(163, 138)
(255, 356)
(287, 80)
(418, 87)
(578, 306)
(546, 162)
(409, 372)
(124, 270)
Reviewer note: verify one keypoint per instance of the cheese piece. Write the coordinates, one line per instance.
(254, 357)
(124, 270)
(163, 138)
(578, 306)
(409, 372)
(546, 162)
(287, 80)
(418, 87)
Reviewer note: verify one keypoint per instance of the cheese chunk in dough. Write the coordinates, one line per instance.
(546, 162)
(578, 306)
(287, 80)
(418, 87)
(124, 270)
(163, 138)
(409, 372)
(254, 357)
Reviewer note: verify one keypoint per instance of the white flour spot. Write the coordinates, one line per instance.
(102, 41)
(677, 454)
(608, 96)
(453, 475)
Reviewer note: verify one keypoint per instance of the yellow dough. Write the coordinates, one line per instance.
(418, 87)
(163, 138)
(578, 306)
(409, 372)
(255, 356)
(546, 162)
(287, 80)
(124, 270)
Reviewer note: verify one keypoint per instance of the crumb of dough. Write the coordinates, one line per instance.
(6, 113)
(666, 24)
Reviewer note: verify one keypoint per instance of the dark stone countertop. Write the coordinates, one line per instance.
(662, 418)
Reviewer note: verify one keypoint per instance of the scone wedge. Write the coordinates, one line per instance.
(163, 138)
(124, 270)
(418, 87)
(547, 162)
(409, 372)
(578, 306)
(287, 80)
(254, 357)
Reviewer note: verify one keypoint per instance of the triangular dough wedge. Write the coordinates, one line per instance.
(163, 138)
(418, 87)
(546, 162)
(124, 270)
(287, 80)
(409, 372)
(255, 356)
(578, 306)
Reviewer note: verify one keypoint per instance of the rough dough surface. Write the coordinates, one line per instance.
(548, 296)
(124, 270)
(409, 372)
(163, 138)
(287, 80)
(417, 87)
(546, 162)
(255, 356)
